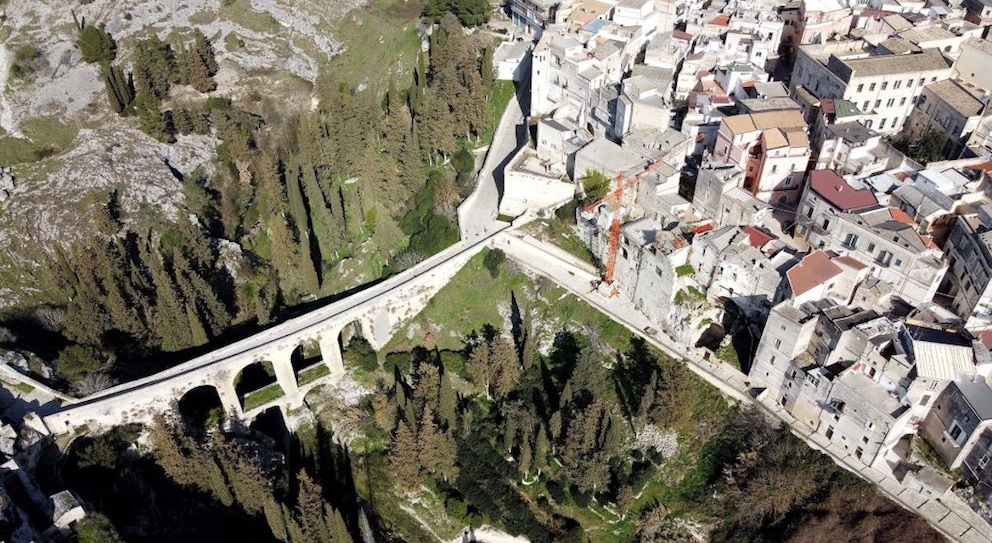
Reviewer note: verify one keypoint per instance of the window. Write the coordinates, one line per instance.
(774, 168)
(898, 262)
(897, 84)
(902, 101)
(984, 460)
(864, 106)
(871, 87)
(878, 104)
(871, 248)
(869, 425)
(881, 124)
(885, 85)
(861, 87)
(922, 81)
(826, 223)
(884, 258)
(909, 83)
(830, 432)
(868, 123)
(778, 343)
(809, 212)
(864, 440)
(858, 453)
(851, 241)
(956, 432)
(890, 102)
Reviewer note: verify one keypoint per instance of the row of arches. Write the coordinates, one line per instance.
(263, 382)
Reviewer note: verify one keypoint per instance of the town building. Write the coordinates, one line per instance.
(883, 87)
(773, 150)
(825, 196)
(948, 107)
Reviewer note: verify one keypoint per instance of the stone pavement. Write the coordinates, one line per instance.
(948, 513)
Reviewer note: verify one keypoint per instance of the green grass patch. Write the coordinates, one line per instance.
(383, 31)
(240, 12)
(685, 270)
(18, 151)
(728, 354)
(499, 97)
(263, 396)
(311, 374)
(48, 133)
(563, 235)
(468, 302)
(22, 387)
(688, 294)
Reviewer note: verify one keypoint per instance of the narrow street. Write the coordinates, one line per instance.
(477, 214)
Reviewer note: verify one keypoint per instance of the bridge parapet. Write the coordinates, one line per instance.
(378, 310)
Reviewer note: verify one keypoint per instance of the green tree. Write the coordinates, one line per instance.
(403, 457)
(595, 185)
(120, 93)
(78, 361)
(152, 120)
(930, 147)
(96, 45)
(470, 13)
(197, 64)
(154, 67)
(493, 261)
(96, 528)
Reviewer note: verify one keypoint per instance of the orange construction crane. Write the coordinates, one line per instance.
(616, 199)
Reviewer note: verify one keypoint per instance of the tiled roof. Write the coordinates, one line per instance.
(756, 237)
(832, 188)
(814, 270)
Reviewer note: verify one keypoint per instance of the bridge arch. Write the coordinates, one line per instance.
(307, 360)
(257, 384)
(202, 407)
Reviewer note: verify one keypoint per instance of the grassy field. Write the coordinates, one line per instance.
(473, 299)
(313, 373)
(43, 137)
(383, 31)
(502, 93)
(563, 236)
(263, 396)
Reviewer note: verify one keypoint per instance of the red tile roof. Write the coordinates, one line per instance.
(832, 188)
(756, 238)
(721, 20)
(899, 215)
(812, 271)
(680, 35)
(850, 262)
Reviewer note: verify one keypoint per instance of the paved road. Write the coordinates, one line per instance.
(477, 214)
(947, 513)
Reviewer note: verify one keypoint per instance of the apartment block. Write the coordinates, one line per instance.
(884, 87)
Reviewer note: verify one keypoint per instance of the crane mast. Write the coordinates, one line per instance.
(616, 199)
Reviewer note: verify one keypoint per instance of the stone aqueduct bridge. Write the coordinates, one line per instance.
(377, 311)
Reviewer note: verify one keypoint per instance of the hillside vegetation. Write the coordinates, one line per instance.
(201, 205)
(589, 436)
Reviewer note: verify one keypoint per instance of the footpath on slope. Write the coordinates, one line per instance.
(947, 513)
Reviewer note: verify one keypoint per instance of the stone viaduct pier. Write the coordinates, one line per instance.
(293, 357)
